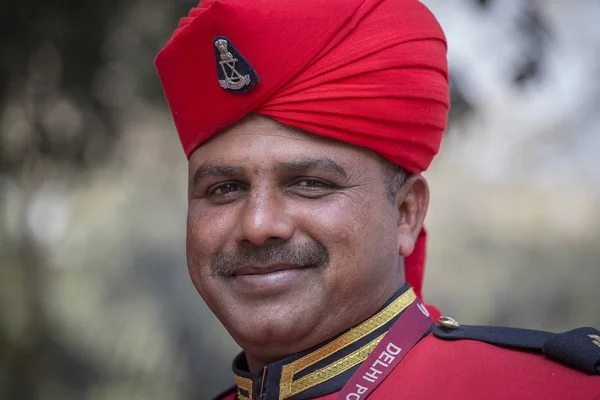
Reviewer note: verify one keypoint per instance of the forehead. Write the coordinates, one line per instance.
(259, 139)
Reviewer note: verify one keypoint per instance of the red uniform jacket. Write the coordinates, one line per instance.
(445, 363)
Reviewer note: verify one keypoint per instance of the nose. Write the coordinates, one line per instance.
(264, 219)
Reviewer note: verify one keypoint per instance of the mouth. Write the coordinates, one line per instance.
(266, 269)
(262, 281)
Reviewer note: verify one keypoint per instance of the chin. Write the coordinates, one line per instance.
(274, 329)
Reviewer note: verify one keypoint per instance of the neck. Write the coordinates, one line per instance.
(255, 365)
(344, 351)
(258, 355)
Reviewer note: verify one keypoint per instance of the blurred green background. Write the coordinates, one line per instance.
(95, 301)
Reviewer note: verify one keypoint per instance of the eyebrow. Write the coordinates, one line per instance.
(209, 170)
(321, 164)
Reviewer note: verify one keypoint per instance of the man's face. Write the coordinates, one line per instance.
(291, 238)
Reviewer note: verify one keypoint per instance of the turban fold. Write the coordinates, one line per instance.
(367, 72)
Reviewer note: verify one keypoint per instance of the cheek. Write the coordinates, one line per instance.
(333, 225)
(207, 234)
(340, 226)
(360, 238)
(351, 223)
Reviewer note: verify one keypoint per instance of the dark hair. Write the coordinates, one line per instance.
(393, 177)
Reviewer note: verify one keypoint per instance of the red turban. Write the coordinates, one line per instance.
(368, 72)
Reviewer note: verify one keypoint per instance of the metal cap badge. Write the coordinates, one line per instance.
(234, 71)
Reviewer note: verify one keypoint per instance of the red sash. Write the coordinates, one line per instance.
(397, 342)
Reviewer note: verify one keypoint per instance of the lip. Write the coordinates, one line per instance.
(263, 270)
(268, 280)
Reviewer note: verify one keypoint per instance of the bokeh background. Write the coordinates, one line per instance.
(95, 301)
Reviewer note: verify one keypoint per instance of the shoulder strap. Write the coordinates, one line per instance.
(578, 348)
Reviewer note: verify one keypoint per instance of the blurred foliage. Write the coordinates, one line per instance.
(52, 51)
(61, 86)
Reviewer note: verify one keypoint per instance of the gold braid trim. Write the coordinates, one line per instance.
(334, 369)
(244, 384)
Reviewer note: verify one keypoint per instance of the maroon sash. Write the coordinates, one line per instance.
(397, 342)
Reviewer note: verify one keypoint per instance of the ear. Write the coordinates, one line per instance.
(412, 202)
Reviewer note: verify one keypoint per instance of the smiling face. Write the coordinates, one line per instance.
(291, 237)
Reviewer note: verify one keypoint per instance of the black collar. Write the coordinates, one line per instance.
(324, 368)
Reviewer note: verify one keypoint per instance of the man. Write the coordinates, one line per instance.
(307, 125)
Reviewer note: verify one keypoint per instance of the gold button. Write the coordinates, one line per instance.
(447, 322)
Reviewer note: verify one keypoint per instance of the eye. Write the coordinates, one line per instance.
(312, 187)
(313, 184)
(224, 189)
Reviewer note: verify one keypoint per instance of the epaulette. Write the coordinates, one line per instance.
(229, 391)
(578, 348)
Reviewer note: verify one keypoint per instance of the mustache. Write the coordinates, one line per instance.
(307, 254)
